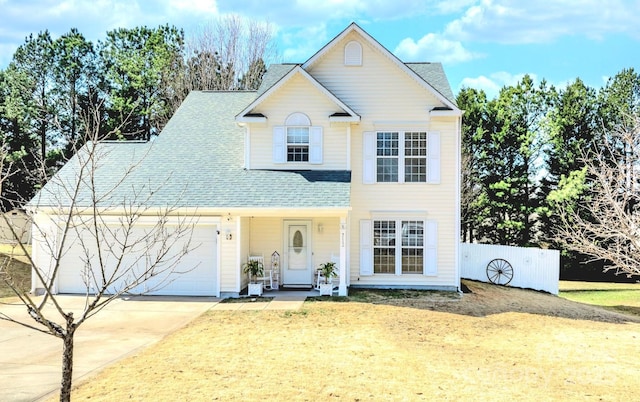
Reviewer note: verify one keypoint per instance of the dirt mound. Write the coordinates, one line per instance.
(483, 299)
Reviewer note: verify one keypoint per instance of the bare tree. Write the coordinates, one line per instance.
(229, 54)
(94, 206)
(606, 223)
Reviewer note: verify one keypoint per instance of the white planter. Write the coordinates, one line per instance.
(326, 289)
(255, 289)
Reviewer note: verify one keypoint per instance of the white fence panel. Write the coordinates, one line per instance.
(533, 268)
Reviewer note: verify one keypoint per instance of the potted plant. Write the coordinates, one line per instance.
(328, 271)
(255, 269)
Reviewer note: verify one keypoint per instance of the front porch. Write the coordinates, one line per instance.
(291, 249)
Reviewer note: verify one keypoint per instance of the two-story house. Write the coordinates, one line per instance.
(351, 157)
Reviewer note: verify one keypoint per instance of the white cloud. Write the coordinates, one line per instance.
(516, 21)
(433, 47)
(302, 44)
(494, 82)
(194, 6)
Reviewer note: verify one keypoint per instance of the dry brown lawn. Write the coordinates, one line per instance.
(493, 344)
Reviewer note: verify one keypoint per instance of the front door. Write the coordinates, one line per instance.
(297, 269)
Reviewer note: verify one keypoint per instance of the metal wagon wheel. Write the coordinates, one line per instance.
(499, 271)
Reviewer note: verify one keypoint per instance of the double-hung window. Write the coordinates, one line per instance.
(398, 246)
(387, 157)
(401, 157)
(297, 144)
(415, 157)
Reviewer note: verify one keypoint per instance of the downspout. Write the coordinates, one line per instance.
(342, 287)
(459, 172)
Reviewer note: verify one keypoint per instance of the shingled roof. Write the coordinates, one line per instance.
(433, 73)
(197, 162)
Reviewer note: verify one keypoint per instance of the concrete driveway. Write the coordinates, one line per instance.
(30, 362)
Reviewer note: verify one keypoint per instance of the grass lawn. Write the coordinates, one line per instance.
(624, 297)
(16, 265)
(495, 343)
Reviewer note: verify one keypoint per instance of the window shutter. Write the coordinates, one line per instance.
(366, 250)
(315, 145)
(431, 248)
(279, 145)
(433, 158)
(369, 157)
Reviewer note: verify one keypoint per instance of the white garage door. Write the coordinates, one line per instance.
(195, 274)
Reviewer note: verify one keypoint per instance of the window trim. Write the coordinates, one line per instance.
(281, 144)
(398, 244)
(370, 157)
(429, 246)
(302, 145)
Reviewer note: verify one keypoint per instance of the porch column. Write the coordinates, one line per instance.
(342, 287)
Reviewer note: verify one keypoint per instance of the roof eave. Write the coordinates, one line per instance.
(445, 112)
(296, 70)
(251, 119)
(344, 119)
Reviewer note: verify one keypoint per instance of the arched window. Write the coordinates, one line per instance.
(297, 140)
(353, 54)
(297, 125)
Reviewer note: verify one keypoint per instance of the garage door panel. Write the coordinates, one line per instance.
(194, 274)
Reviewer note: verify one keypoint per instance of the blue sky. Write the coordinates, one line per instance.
(482, 43)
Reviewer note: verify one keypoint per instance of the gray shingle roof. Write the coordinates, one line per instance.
(197, 161)
(433, 73)
(274, 73)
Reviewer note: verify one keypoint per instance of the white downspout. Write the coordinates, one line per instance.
(342, 287)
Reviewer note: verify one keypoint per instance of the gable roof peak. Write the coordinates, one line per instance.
(297, 69)
(353, 27)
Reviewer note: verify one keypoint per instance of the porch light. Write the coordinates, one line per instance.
(320, 228)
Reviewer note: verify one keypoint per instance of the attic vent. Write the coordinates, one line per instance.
(297, 119)
(353, 54)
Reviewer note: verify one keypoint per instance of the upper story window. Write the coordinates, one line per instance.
(353, 54)
(297, 141)
(401, 157)
(387, 157)
(297, 144)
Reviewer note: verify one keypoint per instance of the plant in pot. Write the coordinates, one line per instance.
(255, 269)
(328, 271)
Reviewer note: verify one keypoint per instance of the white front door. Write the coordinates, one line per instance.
(297, 269)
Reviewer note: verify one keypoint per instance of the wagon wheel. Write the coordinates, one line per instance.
(499, 271)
